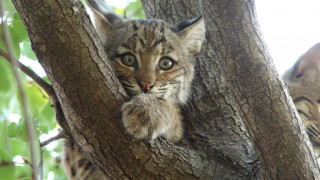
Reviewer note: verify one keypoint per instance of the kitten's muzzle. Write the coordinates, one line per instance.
(146, 86)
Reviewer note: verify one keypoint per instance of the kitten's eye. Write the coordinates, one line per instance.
(165, 63)
(128, 59)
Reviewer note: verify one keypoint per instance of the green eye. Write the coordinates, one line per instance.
(128, 59)
(165, 63)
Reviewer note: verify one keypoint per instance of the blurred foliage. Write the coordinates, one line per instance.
(133, 10)
(14, 145)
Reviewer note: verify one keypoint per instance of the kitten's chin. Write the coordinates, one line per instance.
(135, 93)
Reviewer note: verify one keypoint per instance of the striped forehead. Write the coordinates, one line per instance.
(149, 37)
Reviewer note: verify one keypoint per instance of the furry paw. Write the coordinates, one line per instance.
(146, 116)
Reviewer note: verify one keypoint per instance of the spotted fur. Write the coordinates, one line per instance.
(153, 61)
(303, 82)
(77, 166)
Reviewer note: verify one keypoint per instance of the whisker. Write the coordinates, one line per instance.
(177, 76)
(185, 110)
(195, 87)
(125, 80)
(178, 82)
(189, 102)
(127, 85)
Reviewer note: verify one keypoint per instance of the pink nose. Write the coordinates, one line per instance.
(146, 86)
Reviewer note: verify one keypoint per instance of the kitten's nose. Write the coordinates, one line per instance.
(146, 86)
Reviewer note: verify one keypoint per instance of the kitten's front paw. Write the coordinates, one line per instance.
(136, 120)
(147, 117)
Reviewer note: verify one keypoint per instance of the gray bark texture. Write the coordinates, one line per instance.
(240, 123)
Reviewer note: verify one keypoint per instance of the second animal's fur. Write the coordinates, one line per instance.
(303, 82)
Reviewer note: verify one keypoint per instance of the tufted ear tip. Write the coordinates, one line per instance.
(180, 26)
(192, 33)
(105, 20)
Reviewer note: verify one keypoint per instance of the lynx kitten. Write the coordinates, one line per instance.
(152, 59)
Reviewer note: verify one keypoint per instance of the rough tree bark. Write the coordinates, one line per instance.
(236, 89)
(237, 52)
(260, 97)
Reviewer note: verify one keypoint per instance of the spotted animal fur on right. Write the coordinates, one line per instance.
(303, 82)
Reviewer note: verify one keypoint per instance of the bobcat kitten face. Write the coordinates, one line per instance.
(151, 56)
(149, 61)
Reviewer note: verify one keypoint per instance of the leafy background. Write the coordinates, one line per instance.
(14, 145)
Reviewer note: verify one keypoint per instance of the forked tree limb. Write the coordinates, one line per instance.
(60, 135)
(91, 96)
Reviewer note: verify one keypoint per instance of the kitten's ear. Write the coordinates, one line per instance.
(105, 20)
(192, 33)
(309, 60)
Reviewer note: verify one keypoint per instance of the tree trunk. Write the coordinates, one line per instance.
(236, 58)
(213, 119)
(236, 89)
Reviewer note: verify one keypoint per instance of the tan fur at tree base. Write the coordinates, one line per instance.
(153, 61)
(77, 166)
(303, 82)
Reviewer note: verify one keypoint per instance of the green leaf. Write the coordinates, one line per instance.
(22, 131)
(27, 51)
(48, 116)
(15, 41)
(5, 156)
(43, 129)
(7, 172)
(15, 104)
(19, 28)
(1, 40)
(119, 11)
(46, 79)
(18, 130)
(41, 108)
(23, 172)
(46, 153)
(6, 78)
(8, 5)
(36, 96)
(3, 135)
(19, 148)
(135, 10)
(12, 130)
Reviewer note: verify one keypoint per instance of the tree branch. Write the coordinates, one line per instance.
(29, 123)
(259, 96)
(42, 83)
(4, 164)
(41, 162)
(60, 135)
